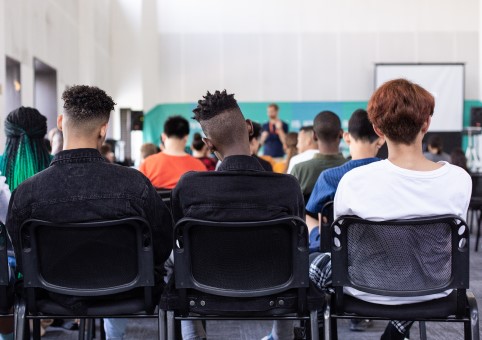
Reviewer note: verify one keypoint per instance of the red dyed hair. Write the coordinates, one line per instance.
(399, 108)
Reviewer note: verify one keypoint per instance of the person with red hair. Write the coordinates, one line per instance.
(406, 185)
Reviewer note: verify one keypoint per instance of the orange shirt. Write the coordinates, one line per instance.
(164, 170)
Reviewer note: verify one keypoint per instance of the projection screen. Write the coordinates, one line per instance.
(444, 81)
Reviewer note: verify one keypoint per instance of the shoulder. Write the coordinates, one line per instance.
(368, 170)
(458, 173)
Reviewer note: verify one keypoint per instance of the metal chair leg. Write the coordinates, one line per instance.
(162, 324)
(88, 328)
(474, 317)
(314, 325)
(82, 329)
(478, 232)
(423, 330)
(36, 329)
(102, 330)
(327, 317)
(19, 320)
(171, 327)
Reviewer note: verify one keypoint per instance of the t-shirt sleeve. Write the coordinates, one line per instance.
(320, 195)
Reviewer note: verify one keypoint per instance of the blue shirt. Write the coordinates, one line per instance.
(326, 185)
(273, 146)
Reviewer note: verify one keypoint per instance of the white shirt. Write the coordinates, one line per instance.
(300, 158)
(383, 191)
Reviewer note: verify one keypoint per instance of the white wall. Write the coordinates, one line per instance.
(307, 50)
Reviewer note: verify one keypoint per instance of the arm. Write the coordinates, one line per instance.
(280, 130)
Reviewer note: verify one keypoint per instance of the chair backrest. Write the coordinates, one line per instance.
(5, 300)
(327, 217)
(87, 259)
(241, 259)
(165, 195)
(411, 257)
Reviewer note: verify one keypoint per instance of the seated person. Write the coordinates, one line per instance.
(435, 150)
(306, 146)
(91, 188)
(291, 151)
(406, 185)
(246, 190)
(364, 144)
(165, 168)
(201, 152)
(328, 133)
(254, 145)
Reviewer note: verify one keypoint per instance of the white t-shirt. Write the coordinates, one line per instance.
(383, 191)
(300, 158)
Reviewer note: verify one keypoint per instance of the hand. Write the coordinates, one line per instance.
(264, 135)
(279, 125)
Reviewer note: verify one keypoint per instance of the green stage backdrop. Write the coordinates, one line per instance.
(296, 114)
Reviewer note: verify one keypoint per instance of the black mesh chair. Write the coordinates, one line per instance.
(87, 270)
(165, 195)
(241, 271)
(6, 294)
(326, 220)
(475, 206)
(403, 258)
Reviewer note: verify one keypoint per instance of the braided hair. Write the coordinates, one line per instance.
(25, 151)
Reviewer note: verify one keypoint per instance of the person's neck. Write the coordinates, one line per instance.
(410, 156)
(175, 147)
(80, 144)
(329, 148)
(360, 150)
(236, 151)
(310, 148)
(198, 154)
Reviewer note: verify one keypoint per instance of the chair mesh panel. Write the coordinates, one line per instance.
(241, 258)
(82, 257)
(399, 258)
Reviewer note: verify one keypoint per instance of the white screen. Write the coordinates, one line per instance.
(444, 82)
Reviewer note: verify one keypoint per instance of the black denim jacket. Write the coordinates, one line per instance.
(240, 191)
(81, 186)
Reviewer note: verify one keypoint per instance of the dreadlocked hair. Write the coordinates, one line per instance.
(25, 151)
(214, 104)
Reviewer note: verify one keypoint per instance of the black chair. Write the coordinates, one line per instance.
(6, 291)
(241, 271)
(326, 221)
(165, 195)
(475, 206)
(86, 271)
(402, 258)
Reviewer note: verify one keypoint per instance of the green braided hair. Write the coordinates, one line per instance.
(25, 150)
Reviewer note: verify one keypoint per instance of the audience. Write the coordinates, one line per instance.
(327, 133)
(290, 151)
(165, 168)
(274, 133)
(148, 149)
(201, 152)
(307, 147)
(364, 144)
(107, 153)
(246, 190)
(254, 145)
(92, 189)
(458, 158)
(406, 185)
(435, 152)
(25, 150)
(56, 139)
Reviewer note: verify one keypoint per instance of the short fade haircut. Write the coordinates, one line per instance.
(221, 118)
(360, 127)
(327, 127)
(87, 106)
(307, 128)
(274, 106)
(399, 108)
(176, 126)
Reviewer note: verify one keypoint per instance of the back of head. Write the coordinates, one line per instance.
(176, 127)
(360, 127)
(458, 158)
(291, 140)
(256, 131)
(399, 108)
(148, 149)
(221, 120)
(86, 108)
(436, 143)
(197, 142)
(327, 127)
(25, 150)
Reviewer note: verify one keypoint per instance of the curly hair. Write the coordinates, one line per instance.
(213, 104)
(84, 104)
(399, 108)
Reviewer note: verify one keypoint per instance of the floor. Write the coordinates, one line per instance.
(251, 330)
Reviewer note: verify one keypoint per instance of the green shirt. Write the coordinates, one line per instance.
(308, 172)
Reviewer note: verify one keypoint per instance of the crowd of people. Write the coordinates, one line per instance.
(224, 179)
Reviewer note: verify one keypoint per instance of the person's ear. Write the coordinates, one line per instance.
(209, 144)
(60, 119)
(379, 142)
(103, 131)
(249, 126)
(379, 132)
(163, 138)
(426, 125)
(346, 137)
(341, 133)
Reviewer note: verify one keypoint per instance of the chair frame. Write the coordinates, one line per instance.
(26, 308)
(466, 309)
(325, 227)
(184, 279)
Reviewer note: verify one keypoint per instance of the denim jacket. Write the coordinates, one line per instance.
(81, 186)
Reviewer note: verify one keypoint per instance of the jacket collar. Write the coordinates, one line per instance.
(240, 163)
(78, 156)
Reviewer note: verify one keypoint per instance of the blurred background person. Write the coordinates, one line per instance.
(290, 150)
(56, 138)
(200, 151)
(307, 147)
(107, 153)
(435, 152)
(148, 149)
(274, 133)
(458, 158)
(255, 144)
